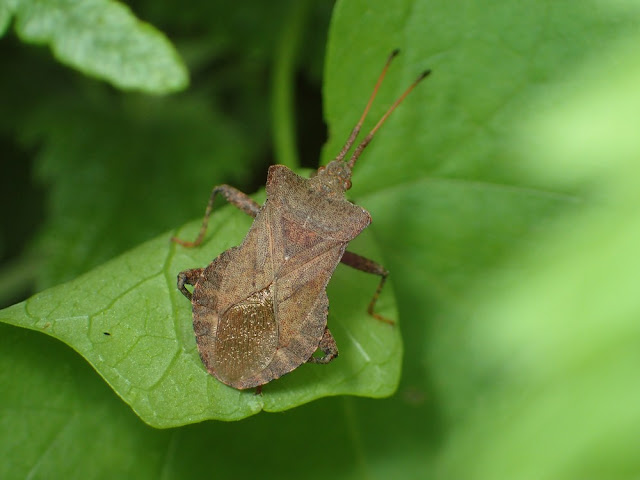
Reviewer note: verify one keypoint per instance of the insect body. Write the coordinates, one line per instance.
(260, 309)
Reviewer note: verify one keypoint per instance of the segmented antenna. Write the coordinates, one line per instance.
(356, 130)
(362, 145)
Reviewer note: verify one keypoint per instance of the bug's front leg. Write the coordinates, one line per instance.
(188, 277)
(369, 266)
(235, 197)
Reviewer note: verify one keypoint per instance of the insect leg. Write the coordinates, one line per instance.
(328, 346)
(188, 277)
(235, 197)
(369, 266)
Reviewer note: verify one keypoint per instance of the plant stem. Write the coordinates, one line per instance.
(282, 85)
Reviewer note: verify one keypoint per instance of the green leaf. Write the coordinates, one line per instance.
(64, 421)
(129, 321)
(561, 342)
(130, 142)
(60, 418)
(451, 202)
(102, 38)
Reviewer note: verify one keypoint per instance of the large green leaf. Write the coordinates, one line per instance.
(560, 344)
(453, 206)
(129, 321)
(101, 38)
(63, 421)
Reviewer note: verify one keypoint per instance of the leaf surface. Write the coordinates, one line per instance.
(128, 319)
(101, 38)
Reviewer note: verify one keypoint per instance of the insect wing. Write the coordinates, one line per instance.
(246, 338)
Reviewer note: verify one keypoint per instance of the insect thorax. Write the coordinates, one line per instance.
(310, 205)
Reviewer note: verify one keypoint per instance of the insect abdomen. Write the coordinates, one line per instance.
(246, 338)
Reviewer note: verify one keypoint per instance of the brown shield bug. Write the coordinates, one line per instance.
(260, 309)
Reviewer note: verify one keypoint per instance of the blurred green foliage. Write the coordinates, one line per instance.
(504, 198)
(121, 168)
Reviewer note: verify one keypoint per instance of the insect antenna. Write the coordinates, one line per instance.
(362, 145)
(356, 129)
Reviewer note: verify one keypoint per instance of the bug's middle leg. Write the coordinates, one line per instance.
(235, 197)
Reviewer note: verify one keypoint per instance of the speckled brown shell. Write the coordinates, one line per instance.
(260, 309)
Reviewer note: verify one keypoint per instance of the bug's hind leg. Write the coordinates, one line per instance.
(329, 348)
(369, 266)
